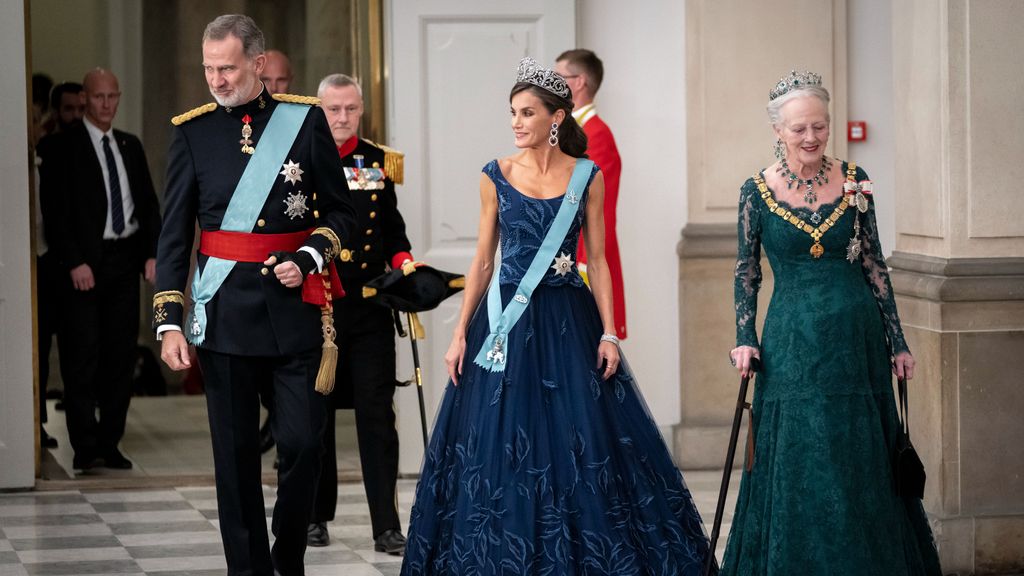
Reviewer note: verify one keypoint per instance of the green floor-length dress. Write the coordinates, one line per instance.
(820, 498)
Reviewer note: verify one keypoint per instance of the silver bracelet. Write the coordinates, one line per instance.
(610, 338)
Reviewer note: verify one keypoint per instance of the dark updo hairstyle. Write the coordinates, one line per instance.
(571, 138)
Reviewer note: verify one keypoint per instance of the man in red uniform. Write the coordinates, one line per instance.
(583, 71)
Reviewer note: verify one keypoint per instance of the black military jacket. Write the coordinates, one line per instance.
(379, 234)
(252, 314)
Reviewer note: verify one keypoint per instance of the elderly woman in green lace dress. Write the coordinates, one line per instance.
(819, 497)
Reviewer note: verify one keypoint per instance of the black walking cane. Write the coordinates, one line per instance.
(416, 332)
(737, 420)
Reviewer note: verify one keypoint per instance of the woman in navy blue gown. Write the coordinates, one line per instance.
(544, 458)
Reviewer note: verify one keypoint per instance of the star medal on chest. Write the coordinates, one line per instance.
(246, 141)
(853, 249)
(295, 203)
(563, 264)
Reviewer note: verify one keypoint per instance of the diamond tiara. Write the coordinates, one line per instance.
(793, 81)
(532, 72)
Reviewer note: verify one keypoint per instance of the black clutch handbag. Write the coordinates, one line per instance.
(907, 469)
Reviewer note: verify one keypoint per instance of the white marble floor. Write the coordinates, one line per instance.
(114, 522)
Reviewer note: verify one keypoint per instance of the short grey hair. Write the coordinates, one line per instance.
(240, 26)
(775, 106)
(338, 81)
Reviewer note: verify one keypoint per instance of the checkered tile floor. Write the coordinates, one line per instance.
(164, 532)
(174, 532)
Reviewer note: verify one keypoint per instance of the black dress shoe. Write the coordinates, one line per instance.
(391, 542)
(317, 535)
(84, 461)
(115, 460)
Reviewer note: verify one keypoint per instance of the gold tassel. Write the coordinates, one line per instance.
(329, 356)
(416, 327)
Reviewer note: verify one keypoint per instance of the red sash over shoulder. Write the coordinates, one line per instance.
(245, 247)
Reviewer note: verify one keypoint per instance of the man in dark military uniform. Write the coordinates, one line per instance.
(366, 330)
(261, 176)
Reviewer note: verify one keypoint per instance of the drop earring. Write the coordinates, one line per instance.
(779, 149)
(553, 139)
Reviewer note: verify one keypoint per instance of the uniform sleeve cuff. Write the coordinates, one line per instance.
(166, 328)
(316, 257)
(398, 259)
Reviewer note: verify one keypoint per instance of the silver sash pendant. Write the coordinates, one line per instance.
(497, 354)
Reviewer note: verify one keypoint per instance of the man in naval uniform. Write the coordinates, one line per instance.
(366, 330)
(261, 176)
(583, 72)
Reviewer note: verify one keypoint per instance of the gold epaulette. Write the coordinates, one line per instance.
(193, 113)
(394, 163)
(296, 99)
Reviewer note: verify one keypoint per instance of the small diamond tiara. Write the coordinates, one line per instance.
(793, 81)
(532, 72)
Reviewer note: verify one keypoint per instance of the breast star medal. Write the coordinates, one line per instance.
(563, 264)
(291, 172)
(246, 133)
(295, 205)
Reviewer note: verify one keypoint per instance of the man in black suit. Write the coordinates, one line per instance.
(256, 320)
(95, 183)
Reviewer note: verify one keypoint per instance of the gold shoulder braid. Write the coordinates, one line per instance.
(296, 99)
(193, 113)
(817, 250)
(394, 163)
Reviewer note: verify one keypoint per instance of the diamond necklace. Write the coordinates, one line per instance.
(821, 178)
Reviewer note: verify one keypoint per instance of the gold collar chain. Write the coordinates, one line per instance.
(817, 250)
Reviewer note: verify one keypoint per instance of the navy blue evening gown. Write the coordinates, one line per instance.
(545, 468)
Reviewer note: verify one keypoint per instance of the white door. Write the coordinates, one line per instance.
(451, 66)
(17, 437)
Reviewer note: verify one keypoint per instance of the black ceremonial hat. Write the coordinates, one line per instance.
(420, 291)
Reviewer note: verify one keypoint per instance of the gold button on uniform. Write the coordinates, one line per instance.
(345, 255)
(366, 248)
(373, 215)
(376, 164)
(363, 265)
(261, 222)
(264, 270)
(369, 231)
(373, 197)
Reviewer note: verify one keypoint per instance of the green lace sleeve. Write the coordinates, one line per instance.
(747, 279)
(876, 272)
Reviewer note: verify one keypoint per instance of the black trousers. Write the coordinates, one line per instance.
(98, 336)
(232, 398)
(50, 284)
(366, 370)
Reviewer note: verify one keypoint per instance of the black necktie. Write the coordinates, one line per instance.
(116, 206)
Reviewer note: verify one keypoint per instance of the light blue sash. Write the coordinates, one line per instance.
(494, 351)
(246, 204)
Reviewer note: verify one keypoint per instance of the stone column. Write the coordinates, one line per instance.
(958, 268)
(736, 50)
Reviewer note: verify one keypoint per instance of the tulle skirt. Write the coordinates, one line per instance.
(547, 469)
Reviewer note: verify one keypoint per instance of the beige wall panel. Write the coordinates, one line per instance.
(926, 403)
(993, 464)
(996, 85)
(918, 60)
(729, 75)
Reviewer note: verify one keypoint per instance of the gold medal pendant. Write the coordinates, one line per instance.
(817, 250)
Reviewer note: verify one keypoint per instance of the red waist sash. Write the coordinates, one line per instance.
(245, 247)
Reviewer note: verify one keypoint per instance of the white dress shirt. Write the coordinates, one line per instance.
(130, 225)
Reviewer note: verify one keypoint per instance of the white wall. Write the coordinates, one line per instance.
(643, 100)
(17, 435)
(871, 98)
